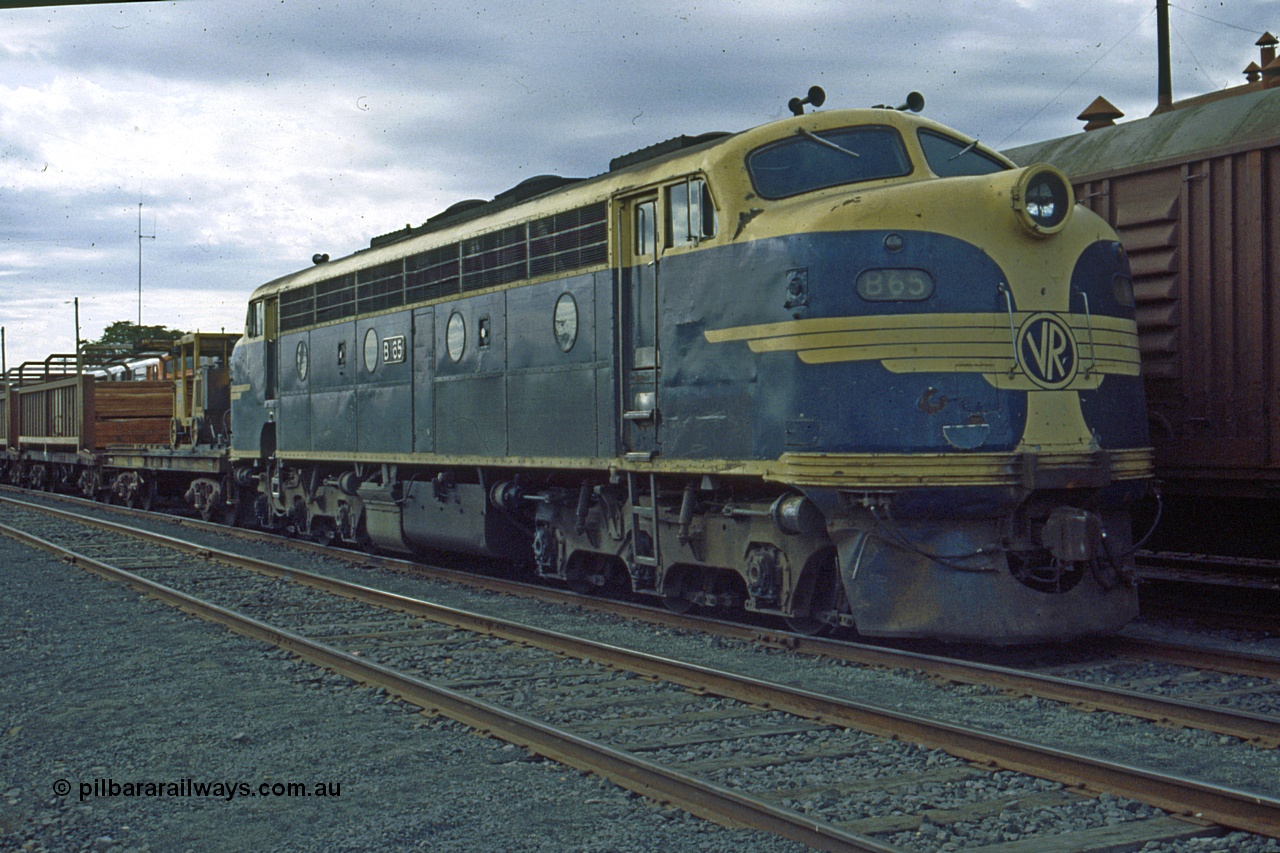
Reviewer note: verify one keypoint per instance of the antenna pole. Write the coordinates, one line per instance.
(141, 236)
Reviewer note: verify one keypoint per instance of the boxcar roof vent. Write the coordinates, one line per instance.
(1101, 113)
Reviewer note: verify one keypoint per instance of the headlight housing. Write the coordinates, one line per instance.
(1043, 200)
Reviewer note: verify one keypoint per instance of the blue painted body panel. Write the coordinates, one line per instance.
(384, 397)
(724, 401)
(520, 394)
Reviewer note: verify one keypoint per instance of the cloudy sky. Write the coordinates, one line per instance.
(256, 133)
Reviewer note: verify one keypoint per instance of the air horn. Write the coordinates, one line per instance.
(816, 97)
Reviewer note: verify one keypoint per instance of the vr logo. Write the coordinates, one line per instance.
(1047, 351)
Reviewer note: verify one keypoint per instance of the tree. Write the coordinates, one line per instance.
(127, 336)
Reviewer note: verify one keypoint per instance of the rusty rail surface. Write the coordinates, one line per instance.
(1258, 728)
(1226, 806)
(696, 796)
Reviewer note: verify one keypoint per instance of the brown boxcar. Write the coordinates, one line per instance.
(1194, 193)
(1195, 197)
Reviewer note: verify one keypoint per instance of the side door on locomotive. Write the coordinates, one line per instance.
(656, 228)
(639, 355)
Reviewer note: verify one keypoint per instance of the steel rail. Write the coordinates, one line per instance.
(1222, 805)
(1259, 729)
(1239, 663)
(1199, 657)
(696, 796)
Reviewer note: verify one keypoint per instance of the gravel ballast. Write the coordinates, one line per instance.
(99, 684)
(1185, 752)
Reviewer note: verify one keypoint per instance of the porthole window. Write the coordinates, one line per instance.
(565, 321)
(302, 359)
(371, 350)
(455, 336)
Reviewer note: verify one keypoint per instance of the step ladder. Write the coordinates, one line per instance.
(644, 519)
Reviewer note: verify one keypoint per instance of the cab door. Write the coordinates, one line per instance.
(640, 354)
(271, 336)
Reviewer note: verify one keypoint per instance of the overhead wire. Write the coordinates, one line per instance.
(1213, 84)
(1213, 20)
(1077, 79)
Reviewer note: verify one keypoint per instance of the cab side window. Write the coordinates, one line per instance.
(256, 321)
(691, 216)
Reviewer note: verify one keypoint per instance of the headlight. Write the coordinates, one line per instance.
(894, 285)
(1042, 199)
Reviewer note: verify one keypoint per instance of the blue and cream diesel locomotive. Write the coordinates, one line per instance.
(851, 368)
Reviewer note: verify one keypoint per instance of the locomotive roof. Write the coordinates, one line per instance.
(648, 166)
(1236, 123)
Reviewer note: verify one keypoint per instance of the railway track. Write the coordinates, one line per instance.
(1175, 684)
(1211, 570)
(711, 735)
(1241, 593)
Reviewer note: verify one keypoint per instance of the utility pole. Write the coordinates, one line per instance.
(1164, 85)
(79, 362)
(141, 237)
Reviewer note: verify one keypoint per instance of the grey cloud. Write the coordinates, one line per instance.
(339, 120)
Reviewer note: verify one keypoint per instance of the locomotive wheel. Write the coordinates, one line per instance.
(148, 497)
(322, 531)
(213, 510)
(231, 514)
(297, 518)
(818, 593)
(677, 603)
(673, 593)
(578, 574)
